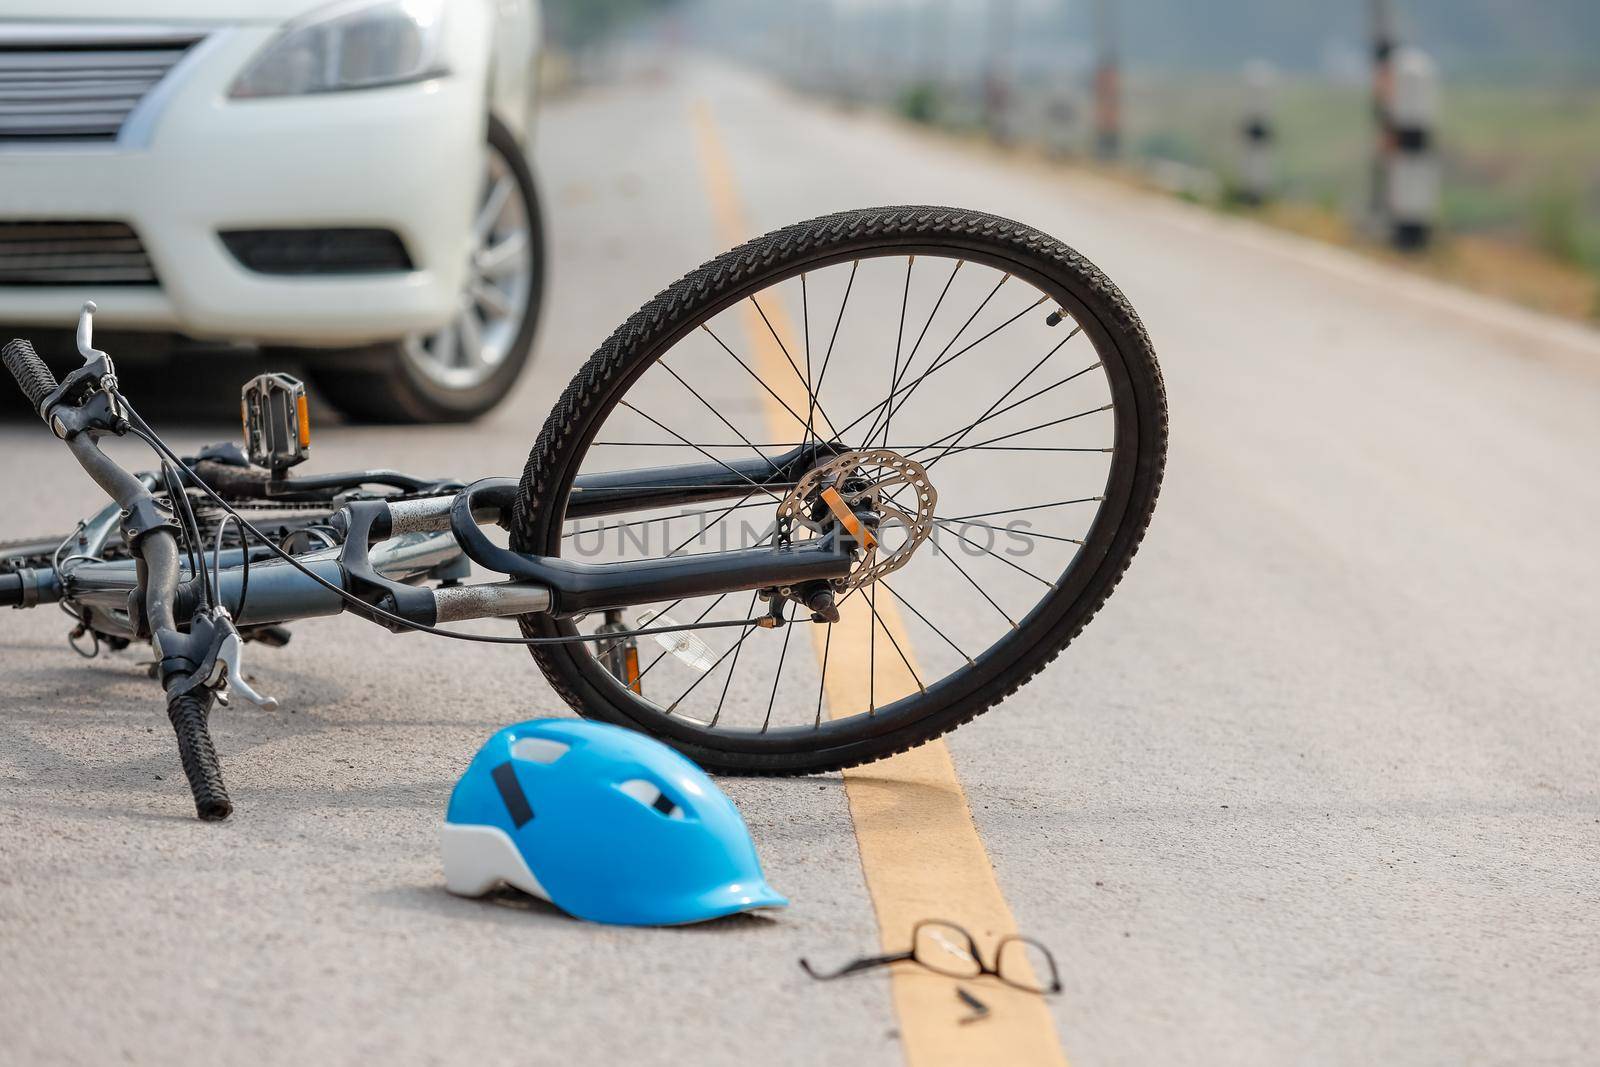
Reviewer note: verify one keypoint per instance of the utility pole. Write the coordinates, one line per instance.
(1107, 90)
(1383, 46)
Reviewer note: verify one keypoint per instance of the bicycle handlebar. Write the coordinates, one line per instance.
(31, 373)
(152, 540)
(158, 550)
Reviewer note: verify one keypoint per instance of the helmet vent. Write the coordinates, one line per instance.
(539, 749)
(650, 795)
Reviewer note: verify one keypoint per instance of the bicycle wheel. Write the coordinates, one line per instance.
(980, 384)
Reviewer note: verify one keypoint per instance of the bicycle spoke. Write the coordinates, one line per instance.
(696, 684)
(664, 518)
(1074, 376)
(701, 618)
(771, 530)
(1002, 559)
(940, 361)
(719, 415)
(981, 590)
(813, 405)
(899, 336)
(704, 453)
(1030, 507)
(872, 602)
(777, 675)
(901, 597)
(1030, 429)
(872, 652)
(989, 417)
(822, 682)
(698, 619)
(1008, 530)
(951, 449)
(938, 366)
(805, 424)
(828, 356)
(989, 411)
(811, 395)
(726, 682)
(904, 449)
(871, 430)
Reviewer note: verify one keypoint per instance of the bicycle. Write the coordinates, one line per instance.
(728, 370)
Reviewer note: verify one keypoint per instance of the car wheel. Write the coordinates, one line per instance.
(466, 367)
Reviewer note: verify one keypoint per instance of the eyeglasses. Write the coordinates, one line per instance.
(947, 949)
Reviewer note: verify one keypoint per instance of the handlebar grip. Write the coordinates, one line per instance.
(30, 372)
(188, 713)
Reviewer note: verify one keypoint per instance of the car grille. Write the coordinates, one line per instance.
(72, 253)
(82, 88)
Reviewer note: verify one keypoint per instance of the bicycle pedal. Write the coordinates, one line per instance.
(277, 425)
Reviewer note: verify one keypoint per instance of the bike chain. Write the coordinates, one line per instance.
(18, 563)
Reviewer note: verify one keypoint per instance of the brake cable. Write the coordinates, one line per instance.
(216, 562)
(372, 612)
(193, 543)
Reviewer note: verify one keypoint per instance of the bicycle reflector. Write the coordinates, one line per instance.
(277, 428)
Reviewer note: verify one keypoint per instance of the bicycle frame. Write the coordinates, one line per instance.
(389, 547)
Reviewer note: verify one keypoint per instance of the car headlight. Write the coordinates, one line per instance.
(358, 44)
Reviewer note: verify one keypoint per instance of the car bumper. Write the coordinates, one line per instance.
(406, 158)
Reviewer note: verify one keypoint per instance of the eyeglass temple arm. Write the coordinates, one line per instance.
(865, 963)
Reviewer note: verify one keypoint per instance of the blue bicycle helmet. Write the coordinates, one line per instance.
(604, 823)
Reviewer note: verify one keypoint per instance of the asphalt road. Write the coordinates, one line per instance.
(1318, 785)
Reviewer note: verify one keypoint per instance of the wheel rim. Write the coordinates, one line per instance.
(1105, 498)
(468, 350)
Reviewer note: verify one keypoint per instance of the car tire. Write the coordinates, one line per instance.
(412, 380)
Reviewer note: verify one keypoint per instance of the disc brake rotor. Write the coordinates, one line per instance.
(892, 491)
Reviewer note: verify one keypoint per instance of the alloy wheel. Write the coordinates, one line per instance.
(467, 350)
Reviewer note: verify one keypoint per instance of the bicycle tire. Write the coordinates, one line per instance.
(718, 284)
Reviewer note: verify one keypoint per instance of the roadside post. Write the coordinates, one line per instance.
(1258, 156)
(1107, 90)
(1412, 181)
(1061, 121)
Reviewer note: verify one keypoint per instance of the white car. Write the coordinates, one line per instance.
(348, 180)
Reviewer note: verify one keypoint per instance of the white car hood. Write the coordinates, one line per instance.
(157, 11)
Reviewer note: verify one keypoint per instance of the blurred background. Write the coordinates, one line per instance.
(356, 190)
(1464, 132)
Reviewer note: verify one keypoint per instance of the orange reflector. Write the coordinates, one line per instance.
(847, 518)
(630, 657)
(304, 419)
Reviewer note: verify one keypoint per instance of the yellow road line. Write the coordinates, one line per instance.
(920, 852)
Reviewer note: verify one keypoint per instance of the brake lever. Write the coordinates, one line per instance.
(228, 671)
(223, 659)
(86, 347)
(95, 361)
(87, 398)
